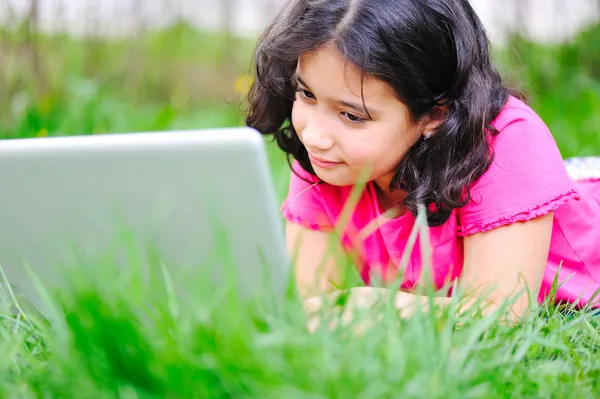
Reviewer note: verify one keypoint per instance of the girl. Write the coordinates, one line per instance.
(405, 89)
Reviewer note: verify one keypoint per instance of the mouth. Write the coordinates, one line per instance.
(323, 163)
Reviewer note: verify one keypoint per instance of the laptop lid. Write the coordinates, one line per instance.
(200, 201)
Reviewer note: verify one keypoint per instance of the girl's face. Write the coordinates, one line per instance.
(340, 137)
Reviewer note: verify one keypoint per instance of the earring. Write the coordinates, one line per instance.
(428, 135)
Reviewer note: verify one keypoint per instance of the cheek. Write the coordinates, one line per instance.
(358, 153)
(298, 118)
(385, 153)
(363, 148)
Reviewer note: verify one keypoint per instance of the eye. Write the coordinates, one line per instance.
(353, 118)
(306, 94)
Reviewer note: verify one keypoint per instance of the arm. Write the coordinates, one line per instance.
(317, 257)
(508, 261)
(499, 264)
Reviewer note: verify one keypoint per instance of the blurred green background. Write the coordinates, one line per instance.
(180, 78)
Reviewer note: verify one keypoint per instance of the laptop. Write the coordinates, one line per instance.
(199, 203)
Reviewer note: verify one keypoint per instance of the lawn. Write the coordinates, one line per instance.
(127, 338)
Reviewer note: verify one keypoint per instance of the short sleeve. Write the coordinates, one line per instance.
(304, 204)
(527, 178)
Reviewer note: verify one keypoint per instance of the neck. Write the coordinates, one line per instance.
(389, 199)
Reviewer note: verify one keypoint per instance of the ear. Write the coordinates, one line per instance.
(438, 115)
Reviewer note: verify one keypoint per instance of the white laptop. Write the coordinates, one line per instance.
(202, 200)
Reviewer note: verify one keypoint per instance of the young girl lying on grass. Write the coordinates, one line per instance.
(406, 90)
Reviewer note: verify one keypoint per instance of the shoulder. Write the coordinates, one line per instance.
(301, 181)
(517, 125)
(527, 177)
(311, 202)
(523, 147)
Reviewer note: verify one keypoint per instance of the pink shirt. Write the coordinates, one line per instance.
(527, 179)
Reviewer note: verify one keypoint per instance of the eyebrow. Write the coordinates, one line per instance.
(355, 106)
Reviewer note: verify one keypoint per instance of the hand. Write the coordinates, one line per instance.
(357, 298)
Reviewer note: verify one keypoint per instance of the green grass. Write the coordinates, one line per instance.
(116, 336)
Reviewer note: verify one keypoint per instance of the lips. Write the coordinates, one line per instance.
(323, 163)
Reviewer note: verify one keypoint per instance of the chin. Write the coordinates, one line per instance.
(334, 179)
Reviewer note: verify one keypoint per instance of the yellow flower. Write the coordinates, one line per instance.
(242, 84)
(42, 133)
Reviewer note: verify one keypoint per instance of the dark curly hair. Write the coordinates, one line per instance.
(431, 52)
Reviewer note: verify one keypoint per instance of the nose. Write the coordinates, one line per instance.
(315, 136)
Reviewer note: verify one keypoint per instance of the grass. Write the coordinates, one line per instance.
(129, 339)
(115, 335)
